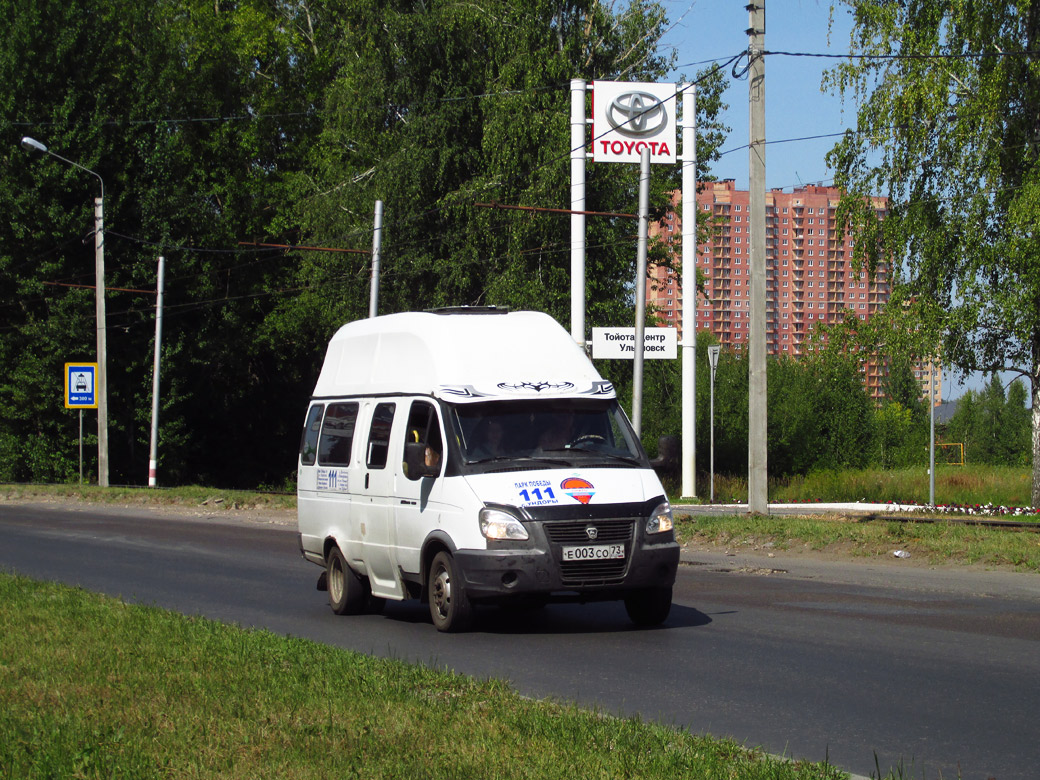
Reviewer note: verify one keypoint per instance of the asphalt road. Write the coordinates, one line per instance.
(936, 670)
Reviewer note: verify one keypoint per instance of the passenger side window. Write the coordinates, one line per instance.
(337, 435)
(379, 435)
(309, 438)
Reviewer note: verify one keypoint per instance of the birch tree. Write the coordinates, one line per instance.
(947, 102)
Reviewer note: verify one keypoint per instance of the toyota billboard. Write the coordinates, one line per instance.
(629, 117)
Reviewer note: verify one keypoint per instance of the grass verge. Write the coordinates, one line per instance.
(851, 536)
(188, 496)
(92, 687)
(954, 485)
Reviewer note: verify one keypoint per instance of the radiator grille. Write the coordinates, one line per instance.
(576, 533)
(593, 572)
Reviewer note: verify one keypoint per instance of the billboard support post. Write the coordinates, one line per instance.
(641, 248)
(577, 205)
(689, 292)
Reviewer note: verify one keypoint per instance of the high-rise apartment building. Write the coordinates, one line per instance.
(810, 278)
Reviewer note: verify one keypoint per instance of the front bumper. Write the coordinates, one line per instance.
(536, 567)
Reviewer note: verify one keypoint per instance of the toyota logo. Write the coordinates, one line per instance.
(592, 532)
(637, 114)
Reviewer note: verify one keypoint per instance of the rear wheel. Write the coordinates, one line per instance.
(649, 606)
(346, 593)
(450, 607)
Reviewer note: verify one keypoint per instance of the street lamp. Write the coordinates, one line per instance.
(32, 145)
(713, 363)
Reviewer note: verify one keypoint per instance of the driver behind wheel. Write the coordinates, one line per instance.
(558, 431)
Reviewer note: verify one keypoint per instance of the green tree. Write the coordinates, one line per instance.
(440, 106)
(819, 413)
(282, 121)
(994, 428)
(1018, 423)
(897, 442)
(948, 97)
(844, 413)
(793, 418)
(961, 426)
(190, 112)
(902, 387)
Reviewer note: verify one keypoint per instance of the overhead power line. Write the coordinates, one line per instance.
(497, 205)
(306, 248)
(940, 56)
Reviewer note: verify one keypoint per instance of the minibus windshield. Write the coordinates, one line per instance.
(513, 434)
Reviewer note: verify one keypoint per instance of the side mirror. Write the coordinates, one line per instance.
(415, 462)
(667, 460)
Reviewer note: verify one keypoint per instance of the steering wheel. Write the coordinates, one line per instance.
(588, 437)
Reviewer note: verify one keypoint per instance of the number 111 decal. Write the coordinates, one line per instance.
(540, 494)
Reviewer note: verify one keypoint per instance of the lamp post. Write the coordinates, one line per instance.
(713, 362)
(32, 145)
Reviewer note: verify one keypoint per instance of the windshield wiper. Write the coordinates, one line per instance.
(519, 459)
(611, 455)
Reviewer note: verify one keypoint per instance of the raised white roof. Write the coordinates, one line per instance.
(459, 357)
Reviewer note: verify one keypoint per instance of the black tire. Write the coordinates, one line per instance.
(346, 593)
(649, 606)
(450, 607)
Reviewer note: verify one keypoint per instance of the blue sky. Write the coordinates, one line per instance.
(707, 30)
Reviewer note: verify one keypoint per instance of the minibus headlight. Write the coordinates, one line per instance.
(499, 525)
(660, 519)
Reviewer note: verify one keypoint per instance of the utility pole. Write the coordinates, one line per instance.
(377, 243)
(153, 444)
(758, 501)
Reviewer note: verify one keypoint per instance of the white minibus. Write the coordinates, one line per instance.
(475, 456)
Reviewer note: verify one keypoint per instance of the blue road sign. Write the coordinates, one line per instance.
(81, 385)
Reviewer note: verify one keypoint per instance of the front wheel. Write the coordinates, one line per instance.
(649, 606)
(450, 607)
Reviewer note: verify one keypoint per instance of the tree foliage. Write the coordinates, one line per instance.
(948, 127)
(283, 121)
(993, 428)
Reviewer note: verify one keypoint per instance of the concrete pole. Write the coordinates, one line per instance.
(644, 226)
(689, 288)
(102, 341)
(578, 204)
(377, 243)
(757, 424)
(153, 446)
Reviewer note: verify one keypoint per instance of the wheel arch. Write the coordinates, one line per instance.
(328, 544)
(435, 542)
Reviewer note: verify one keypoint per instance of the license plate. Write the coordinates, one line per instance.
(594, 552)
